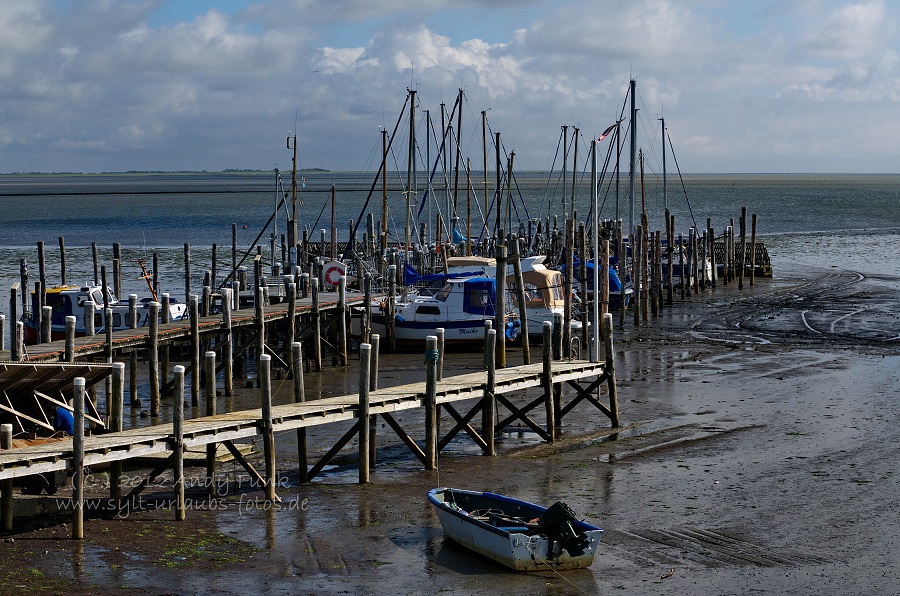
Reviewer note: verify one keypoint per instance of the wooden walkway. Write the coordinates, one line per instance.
(127, 444)
(179, 330)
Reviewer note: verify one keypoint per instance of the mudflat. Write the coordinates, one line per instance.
(757, 454)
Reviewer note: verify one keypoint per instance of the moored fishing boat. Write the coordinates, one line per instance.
(460, 307)
(521, 535)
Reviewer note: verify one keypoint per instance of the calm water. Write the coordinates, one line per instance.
(806, 218)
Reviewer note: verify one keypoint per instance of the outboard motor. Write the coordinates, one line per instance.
(557, 523)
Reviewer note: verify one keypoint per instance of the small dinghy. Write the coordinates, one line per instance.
(518, 534)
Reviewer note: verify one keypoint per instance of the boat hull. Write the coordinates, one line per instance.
(509, 546)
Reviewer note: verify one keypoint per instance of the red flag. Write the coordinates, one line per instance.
(607, 131)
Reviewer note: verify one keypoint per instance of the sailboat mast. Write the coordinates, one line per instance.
(292, 224)
(595, 240)
(633, 157)
(565, 147)
(574, 167)
(456, 174)
(487, 183)
(665, 187)
(409, 170)
(384, 203)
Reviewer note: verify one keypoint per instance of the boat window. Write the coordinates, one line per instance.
(97, 297)
(428, 310)
(445, 291)
(556, 287)
(533, 298)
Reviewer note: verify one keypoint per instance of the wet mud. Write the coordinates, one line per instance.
(757, 454)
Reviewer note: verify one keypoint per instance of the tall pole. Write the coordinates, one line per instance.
(665, 187)
(499, 170)
(456, 173)
(574, 167)
(633, 158)
(384, 205)
(565, 145)
(292, 226)
(409, 170)
(595, 239)
(487, 184)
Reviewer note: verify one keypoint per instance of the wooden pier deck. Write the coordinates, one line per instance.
(139, 442)
(179, 330)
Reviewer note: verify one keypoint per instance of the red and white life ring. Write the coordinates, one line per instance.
(333, 272)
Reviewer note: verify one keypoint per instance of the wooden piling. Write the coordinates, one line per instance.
(267, 430)
(365, 359)
(62, 261)
(488, 325)
(46, 323)
(500, 307)
(611, 370)
(343, 336)
(389, 315)
(228, 343)
(78, 460)
(195, 350)
(742, 263)
(178, 442)
(70, 339)
(6, 486)
(300, 397)
(440, 357)
(2, 332)
(547, 360)
(515, 257)
(260, 324)
(316, 325)
(116, 403)
(489, 399)
(153, 357)
(431, 402)
(210, 370)
(752, 248)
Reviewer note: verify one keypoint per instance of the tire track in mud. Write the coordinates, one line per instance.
(845, 307)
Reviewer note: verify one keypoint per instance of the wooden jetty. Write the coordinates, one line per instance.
(490, 388)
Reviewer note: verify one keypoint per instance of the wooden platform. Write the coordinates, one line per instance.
(244, 424)
(177, 330)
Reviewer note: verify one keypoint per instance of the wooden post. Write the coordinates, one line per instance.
(500, 307)
(488, 325)
(116, 402)
(611, 370)
(108, 326)
(78, 460)
(14, 351)
(516, 258)
(194, 302)
(46, 324)
(187, 272)
(488, 398)
(268, 433)
(300, 397)
(62, 261)
(260, 329)
(556, 341)
(117, 269)
(547, 361)
(19, 342)
(431, 402)
(153, 356)
(742, 262)
(70, 339)
(6, 486)
(373, 386)
(134, 400)
(210, 367)
(291, 288)
(365, 326)
(752, 248)
(164, 311)
(365, 359)
(344, 313)
(228, 344)
(89, 309)
(389, 316)
(2, 332)
(567, 286)
(440, 355)
(316, 324)
(178, 442)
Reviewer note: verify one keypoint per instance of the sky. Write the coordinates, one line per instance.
(743, 85)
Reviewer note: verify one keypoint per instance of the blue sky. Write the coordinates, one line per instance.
(745, 86)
